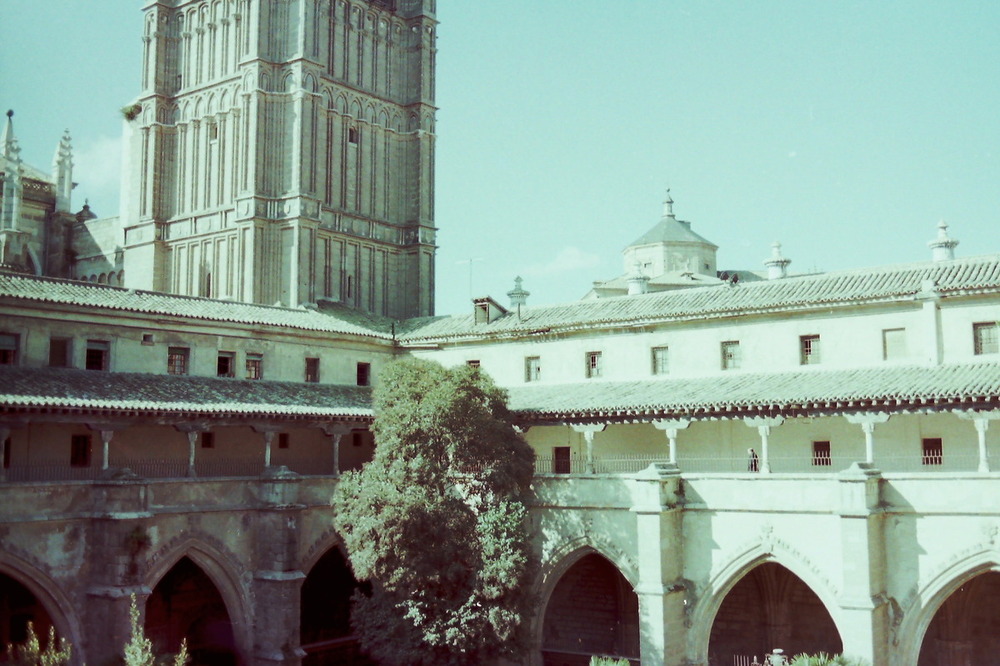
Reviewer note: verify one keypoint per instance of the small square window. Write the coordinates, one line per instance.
(352, 135)
(59, 352)
(283, 440)
(147, 339)
(561, 461)
(809, 349)
(312, 370)
(732, 357)
(893, 343)
(255, 366)
(986, 338)
(226, 365)
(8, 348)
(207, 440)
(821, 454)
(933, 451)
(594, 364)
(79, 454)
(661, 361)
(177, 360)
(532, 369)
(364, 374)
(98, 352)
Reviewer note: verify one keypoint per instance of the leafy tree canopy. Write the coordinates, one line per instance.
(435, 523)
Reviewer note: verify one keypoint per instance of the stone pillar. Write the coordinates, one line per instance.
(764, 425)
(868, 421)
(335, 431)
(268, 431)
(661, 590)
(277, 578)
(864, 603)
(588, 430)
(192, 430)
(670, 427)
(107, 432)
(981, 420)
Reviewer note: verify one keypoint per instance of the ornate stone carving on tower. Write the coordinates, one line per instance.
(282, 151)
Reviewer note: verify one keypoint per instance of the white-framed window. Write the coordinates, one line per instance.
(809, 349)
(255, 366)
(893, 343)
(732, 357)
(660, 360)
(594, 368)
(986, 338)
(532, 368)
(177, 360)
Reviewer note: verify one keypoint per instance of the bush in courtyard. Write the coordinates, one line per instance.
(31, 653)
(824, 659)
(608, 661)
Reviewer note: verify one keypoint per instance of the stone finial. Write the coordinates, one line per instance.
(62, 173)
(942, 247)
(638, 282)
(518, 296)
(668, 205)
(777, 265)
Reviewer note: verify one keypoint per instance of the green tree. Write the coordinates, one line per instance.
(435, 525)
(139, 649)
(31, 653)
(824, 659)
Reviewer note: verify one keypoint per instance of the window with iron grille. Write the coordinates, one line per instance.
(312, 369)
(532, 368)
(809, 349)
(821, 454)
(255, 366)
(661, 361)
(933, 451)
(594, 364)
(986, 338)
(177, 360)
(732, 358)
(98, 354)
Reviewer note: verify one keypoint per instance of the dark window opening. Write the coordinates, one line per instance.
(821, 454)
(283, 440)
(312, 369)
(79, 454)
(226, 366)
(364, 374)
(8, 349)
(352, 135)
(561, 460)
(6, 453)
(59, 352)
(98, 352)
(809, 349)
(208, 440)
(933, 451)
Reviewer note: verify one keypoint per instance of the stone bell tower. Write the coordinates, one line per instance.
(282, 151)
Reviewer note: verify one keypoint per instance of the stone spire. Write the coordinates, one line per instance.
(518, 296)
(668, 206)
(943, 247)
(12, 169)
(62, 173)
(777, 265)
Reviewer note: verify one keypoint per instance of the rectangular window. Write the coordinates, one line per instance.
(593, 364)
(357, 439)
(532, 368)
(893, 343)
(352, 135)
(283, 440)
(208, 440)
(364, 374)
(6, 454)
(312, 370)
(8, 349)
(177, 360)
(732, 358)
(147, 339)
(98, 352)
(59, 352)
(255, 366)
(79, 453)
(226, 365)
(821, 454)
(661, 362)
(561, 463)
(473, 363)
(986, 338)
(808, 349)
(933, 451)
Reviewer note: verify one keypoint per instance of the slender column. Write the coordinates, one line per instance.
(106, 436)
(335, 431)
(268, 438)
(868, 421)
(764, 425)
(670, 427)
(981, 421)
(192, 441)
(588, 430)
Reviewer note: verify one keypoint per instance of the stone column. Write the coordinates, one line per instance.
(335, 431)
(981, 420)
(192, 430)
(588, 430)
(868, 421)
(764, 425)
(107, 432)
(661, 590)
(670, 427)
(267, 430)
(864, 603)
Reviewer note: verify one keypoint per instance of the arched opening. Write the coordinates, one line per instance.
(18, 607)
(185, 604)
(592, 611)
(325, 617)
(771, 608)
(965, 630)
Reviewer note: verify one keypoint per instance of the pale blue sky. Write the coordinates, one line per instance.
(845, 130)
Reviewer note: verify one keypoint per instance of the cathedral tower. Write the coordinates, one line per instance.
(283, 151)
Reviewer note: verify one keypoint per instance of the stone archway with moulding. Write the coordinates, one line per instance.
(50, 594)
(711, 597)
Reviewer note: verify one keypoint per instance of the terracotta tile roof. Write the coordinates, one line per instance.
(50, 389)
(892, 388)
(885, 283)
(71, 292)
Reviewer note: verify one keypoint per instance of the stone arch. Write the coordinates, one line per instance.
(224, 101)
(920, 612)
(397, 122)
(309, 83)
(370, 114)
(355, 109)
(102, 278)
(287, 82)
(715, 593)
(264, 83)
(325, 632)
(221, 568)
(383, 119)
(48, 593)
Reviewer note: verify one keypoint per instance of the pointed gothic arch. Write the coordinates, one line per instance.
(18, 576)
(325, 632)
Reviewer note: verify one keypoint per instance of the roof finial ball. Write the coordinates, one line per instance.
(943, 247)
(10, 113)
(668, 205)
